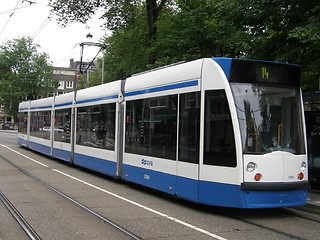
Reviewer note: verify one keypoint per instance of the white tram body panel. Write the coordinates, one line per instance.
(214, 78)
(156, 172)
(215, 131)
(90, 153)
(275, 167)
(167, 81)
(101, 94)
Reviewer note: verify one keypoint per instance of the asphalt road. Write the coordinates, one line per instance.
(146, 213)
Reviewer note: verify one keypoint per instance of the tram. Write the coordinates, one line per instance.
(215, 131)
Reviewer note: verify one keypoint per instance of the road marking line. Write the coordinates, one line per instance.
(126, 200)
(144, 207)
(24, 155)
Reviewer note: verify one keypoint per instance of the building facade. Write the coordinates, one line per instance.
(66, 78)
(69, 77)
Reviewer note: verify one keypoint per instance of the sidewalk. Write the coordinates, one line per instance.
(9, 131)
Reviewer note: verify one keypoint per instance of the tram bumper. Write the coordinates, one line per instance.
(275, 195)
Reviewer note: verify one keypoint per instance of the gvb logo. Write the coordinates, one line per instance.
(146, 162)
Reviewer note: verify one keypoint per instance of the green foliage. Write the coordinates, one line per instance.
(24, 73)
(197, 30)
(187, 30)
(282, 30)
(70, 11)
(152, 33)
(127, 51)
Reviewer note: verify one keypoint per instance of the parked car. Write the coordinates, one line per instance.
(48, 129)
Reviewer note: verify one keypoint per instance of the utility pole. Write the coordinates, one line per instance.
(83, 72)
(102, 69)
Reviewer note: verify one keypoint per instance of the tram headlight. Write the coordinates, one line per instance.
(251, 166)
(303, 166)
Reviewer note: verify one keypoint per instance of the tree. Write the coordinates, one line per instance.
(119, 14)
(289, 35)
(197, 29)
(128, 51)
(187, 31)
(151, 33)
(24, 73)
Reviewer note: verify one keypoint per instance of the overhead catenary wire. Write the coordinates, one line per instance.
(24, 19)
(13, 11)
(17, 7)
(45, 23)
(42, 26)
(72, 54)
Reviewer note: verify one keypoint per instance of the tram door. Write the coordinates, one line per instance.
(61, 141)
(188, 146)
(219, 153)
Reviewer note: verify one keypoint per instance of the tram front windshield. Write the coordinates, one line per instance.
(270, 118)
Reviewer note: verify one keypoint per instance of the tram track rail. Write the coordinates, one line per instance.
(262, 226)
(307, 213)
(32, 234)
(245, 216)
(285, 234)
(304, 213)
(24, 224)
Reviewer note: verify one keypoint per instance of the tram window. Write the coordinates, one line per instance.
(40, 124)
(219, 143)
(151, 127)
(189, 127)
(62, 125)
(270, 118)
(23, 122)
(96, 126)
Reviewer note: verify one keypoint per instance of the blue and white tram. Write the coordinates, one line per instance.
(97, 131)
(61, 145)
(222, 132)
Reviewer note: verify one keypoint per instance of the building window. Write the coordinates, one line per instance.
(61, 85)
(69, 84)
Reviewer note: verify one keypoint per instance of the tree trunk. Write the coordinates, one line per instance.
(153, 11)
